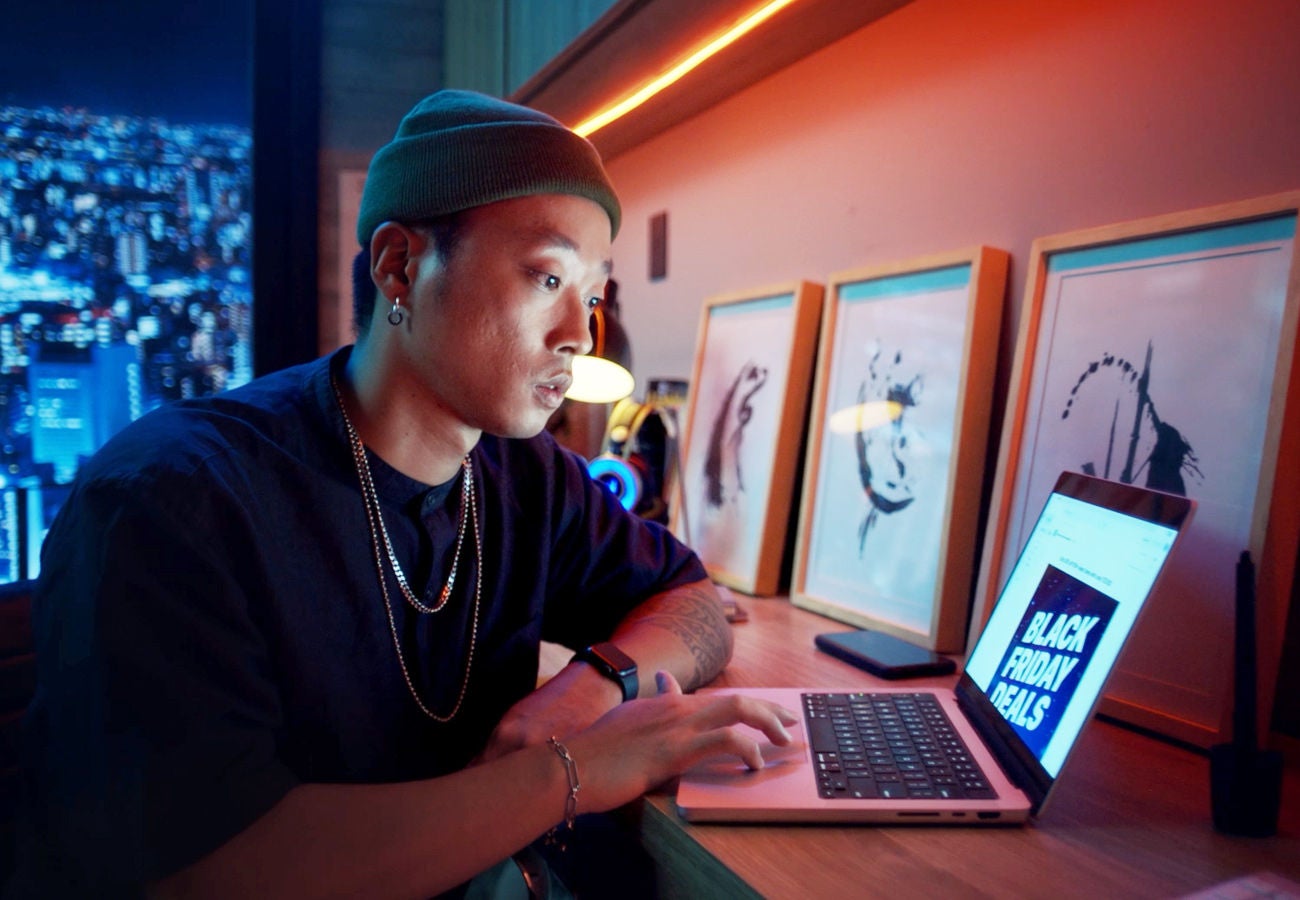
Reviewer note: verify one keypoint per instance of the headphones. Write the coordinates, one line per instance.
(623, 467)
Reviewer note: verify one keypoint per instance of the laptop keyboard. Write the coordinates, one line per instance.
(889, 745)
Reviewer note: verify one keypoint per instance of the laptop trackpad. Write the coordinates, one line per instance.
(777, 761)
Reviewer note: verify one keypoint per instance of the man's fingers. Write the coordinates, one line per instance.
(666, 683)
(731, 709)
(741, 743)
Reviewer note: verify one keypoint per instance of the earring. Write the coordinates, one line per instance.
(396, 314)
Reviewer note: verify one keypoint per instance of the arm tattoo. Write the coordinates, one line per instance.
(692, 613)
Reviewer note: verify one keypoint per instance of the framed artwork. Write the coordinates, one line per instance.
(743, 431)
(1159, 352)
(351, 184)
(896, 445)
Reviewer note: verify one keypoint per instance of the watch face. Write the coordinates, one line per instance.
(619, 661)
(614, 664)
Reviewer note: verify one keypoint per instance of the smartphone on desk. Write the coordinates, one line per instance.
(884, 655)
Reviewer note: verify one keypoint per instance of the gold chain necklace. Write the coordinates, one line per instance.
(379, 534)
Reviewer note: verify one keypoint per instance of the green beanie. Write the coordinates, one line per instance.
(459, 149)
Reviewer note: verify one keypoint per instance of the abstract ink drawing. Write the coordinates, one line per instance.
(1165, 453)
(885, 450)
(727, 435)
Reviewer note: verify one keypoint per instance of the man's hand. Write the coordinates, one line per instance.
(642, 744)
(573, 699)
(682, 631)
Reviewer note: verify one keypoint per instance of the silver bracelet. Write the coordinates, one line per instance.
(571, 771)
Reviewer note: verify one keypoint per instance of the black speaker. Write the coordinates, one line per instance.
(1245, 781)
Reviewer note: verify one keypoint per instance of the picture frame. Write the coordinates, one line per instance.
(897, 441)
(1160, 351)
(742, 434)
(351, 184)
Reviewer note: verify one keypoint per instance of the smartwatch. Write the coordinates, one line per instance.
(614, 664)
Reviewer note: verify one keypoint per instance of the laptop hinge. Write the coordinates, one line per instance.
(1016, 760)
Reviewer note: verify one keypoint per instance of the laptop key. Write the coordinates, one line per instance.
(821, 734)
(862, 789)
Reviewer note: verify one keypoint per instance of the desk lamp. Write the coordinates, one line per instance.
(620, 461)
(602, 376)
(599, 378)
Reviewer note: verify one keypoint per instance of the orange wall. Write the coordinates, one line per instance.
(951, 123)
(955, 122)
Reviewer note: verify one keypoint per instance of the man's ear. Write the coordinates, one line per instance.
(394, 251)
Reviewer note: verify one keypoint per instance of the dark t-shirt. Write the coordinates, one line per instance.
(211, 630)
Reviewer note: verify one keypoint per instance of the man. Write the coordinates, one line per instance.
(288, 636)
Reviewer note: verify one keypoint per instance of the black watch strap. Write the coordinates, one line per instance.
(614, 664)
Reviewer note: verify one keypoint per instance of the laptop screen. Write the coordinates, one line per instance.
(1067, 608)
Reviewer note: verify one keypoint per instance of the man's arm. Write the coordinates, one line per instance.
(419, 838)
(682, 630)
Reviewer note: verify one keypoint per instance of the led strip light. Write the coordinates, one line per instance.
(722, 41)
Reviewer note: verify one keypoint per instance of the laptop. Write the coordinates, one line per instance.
(1030, 684)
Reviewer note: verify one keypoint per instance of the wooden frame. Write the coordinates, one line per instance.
(1160, 351)
(880, 548)
(743, 430)
(351, 184)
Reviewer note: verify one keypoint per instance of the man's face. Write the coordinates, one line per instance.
(495, 328)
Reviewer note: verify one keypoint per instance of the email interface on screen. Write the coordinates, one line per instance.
(1061, 621)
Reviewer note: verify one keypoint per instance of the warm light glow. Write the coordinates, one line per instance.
(597, 380)
(864, 416)
(729, 37)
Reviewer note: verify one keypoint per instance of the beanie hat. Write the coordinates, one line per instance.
(459, 149)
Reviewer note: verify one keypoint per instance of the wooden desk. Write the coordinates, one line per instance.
(1131, 817)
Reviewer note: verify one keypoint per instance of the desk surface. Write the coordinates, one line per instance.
(1130, 818)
